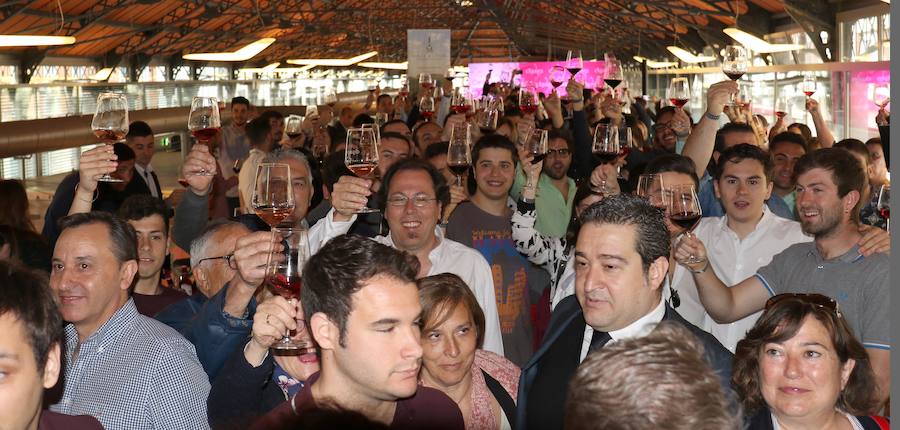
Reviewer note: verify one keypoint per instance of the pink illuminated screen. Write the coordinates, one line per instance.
(534, 75)
(862, 107)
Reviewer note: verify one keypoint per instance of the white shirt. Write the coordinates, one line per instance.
(247, 178)
(642, 327)
(146, 173)
(733, 261)
(447, 257)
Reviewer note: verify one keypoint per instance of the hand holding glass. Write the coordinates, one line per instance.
(110, 123)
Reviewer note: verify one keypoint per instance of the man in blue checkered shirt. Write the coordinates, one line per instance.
(127, 370)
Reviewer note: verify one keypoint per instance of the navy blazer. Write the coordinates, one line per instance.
(569, 310)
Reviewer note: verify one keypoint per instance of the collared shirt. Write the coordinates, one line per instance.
(134, 373)
(552, 208)
(447, 257)
(733, 260)
(643, 326)
(860, 285)
(147, 175)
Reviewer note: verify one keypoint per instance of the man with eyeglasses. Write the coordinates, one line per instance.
(555, 189)
(414, 193)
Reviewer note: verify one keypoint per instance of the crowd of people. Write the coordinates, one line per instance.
(555, 294)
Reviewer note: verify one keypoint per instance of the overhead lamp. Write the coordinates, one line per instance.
(687, 57)
(380, 65)
(655, 64)
(7, 40)
(334, 62)
(756, 44)
(273, 68)
(243, 54)
(102, 74)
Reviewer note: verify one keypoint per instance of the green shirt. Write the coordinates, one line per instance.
(552, 208)
(791, 200)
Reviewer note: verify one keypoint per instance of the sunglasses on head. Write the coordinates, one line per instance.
(817, 300)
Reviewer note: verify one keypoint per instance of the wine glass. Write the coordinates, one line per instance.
(558, 76)
(782, 106)
(426, 107)
(524, 128)
(426, 81)
(574, 63)
(650, 186)
(460, 102)
(110, 123)
(808, 86)
(614, 75)
(204, 123)
(679, 92)
(881, 95)
(537, 145)
(744, 95)
(528, 101)
(361, 155)
(884, 204)
(403, 92)
(735, 62)
(331, 97)
(293, 126)
(284, 274)
(487, 118)
(606, 148)
(273, 195)
(449, 75)
(684, 211)
(459, 152)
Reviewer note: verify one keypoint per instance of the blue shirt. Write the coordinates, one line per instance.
(134, 373)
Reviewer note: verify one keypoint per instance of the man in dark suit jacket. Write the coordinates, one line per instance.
(621, 262)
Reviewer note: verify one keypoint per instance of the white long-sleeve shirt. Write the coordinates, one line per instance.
(447, 257)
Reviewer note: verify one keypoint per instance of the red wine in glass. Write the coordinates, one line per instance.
(458, 169)
(460, 108)
(573, 70)
(294, 135)
(605, 157)
(205, 134)
(427, 115)
(685, 220)
(734, 75)
(613, 82)
(538, 158)
(362, 170)
(273, 215)
(286, 286)
(780, 114)
(885, 213)
(809, 93)
(527, 109)
(555, 84)
(403, 93)
(679, 102)
(109, 136)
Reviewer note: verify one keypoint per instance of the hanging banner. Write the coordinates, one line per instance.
(428, 51)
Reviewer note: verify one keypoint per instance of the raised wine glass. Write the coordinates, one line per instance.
(528, 100)
(486, 119)
(273, 195)
(884, 204)
(459, 151)
(808, 86)
(204, 123)
(110, 123)
(679, 92)
(684, 211)
(650, 186)
(558, 76)
(426, 107)
(361, 155)
(782, 106)
(537, 145)
(735, 62)
(606, 148)
(614, 75)
(881, 95)
(460, 102)
(574, 62)
(426, 81)
(293, 126)
(284, 274)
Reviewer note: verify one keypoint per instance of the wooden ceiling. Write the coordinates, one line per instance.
(483, 30)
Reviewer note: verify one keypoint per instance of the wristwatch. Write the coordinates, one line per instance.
(527, 200)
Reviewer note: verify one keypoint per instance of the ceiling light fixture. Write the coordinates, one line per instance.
(7, 40)
(688, 57)
(378, 65)
(333, 62)
(102, 74)
(273, 68)
(756, 44)
(655, 64)
(243, 54)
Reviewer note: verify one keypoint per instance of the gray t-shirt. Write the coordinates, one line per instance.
(492, 236)
(860, 285)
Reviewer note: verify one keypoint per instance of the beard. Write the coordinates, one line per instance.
(829, 221)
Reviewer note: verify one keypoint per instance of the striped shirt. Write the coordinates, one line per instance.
(134, 373)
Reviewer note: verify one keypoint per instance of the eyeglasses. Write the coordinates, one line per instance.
(419, 200)
(662, 127)
(818, 300)
(229, 259)
(564, 152)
